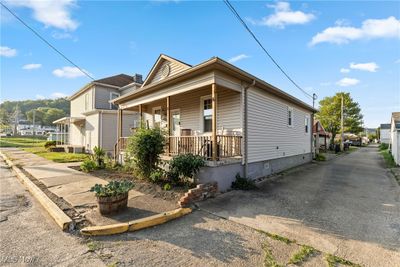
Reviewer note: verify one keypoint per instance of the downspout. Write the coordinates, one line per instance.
(312, 134)
(245, 125)
(100, 141)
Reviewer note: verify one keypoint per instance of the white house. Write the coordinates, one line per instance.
(385, 133)
(93, 119)
(395, 137)
(238, 122)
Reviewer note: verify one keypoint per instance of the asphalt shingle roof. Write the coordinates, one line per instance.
(119, 80)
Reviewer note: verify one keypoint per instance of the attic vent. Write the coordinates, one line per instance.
(165, 70)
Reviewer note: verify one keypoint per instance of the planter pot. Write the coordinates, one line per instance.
(113, 204)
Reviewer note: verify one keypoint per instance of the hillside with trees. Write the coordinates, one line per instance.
(46, 110)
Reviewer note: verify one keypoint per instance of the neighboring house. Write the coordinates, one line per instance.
(258, 129)
(395, 137)
(385, 133)
(93, 119)
(320, 135)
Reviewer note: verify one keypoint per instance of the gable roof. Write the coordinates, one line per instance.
(115, 81)
(214, 63)
(158, 64)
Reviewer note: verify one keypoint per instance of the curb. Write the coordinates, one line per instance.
(136, 224)
(62, 220)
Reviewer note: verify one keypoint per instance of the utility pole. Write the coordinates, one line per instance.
(314, 97)
(341, 126)
(16, 120)
(33, 120)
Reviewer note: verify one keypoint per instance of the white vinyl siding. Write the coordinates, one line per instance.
(268, 131)
(78, 104)
(103, 96)
(174, 69)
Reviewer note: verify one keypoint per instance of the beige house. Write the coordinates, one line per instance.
(93, 119)
(394, 143)
(258, 129)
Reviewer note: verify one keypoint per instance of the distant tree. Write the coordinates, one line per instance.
(5, 118)
(330, 114)
(53, 114)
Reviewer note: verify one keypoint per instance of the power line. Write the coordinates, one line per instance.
(233, 10)
(44, 40)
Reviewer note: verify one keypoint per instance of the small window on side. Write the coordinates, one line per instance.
(306, 124)
(113, 96)
(86, 101)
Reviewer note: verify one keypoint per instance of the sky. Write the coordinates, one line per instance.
(325, 46)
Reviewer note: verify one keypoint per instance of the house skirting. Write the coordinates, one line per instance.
(225, 174)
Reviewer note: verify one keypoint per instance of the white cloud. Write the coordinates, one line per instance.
(370, 29)
(61, 35)
(370, 66)
(344, 70)
(58, 95)
(5, 51)
(68, 72)
(40, 97)
(55, 14)
(284, 16)
(31, 66)
(237, 58)
(347, 82)
(397, 61)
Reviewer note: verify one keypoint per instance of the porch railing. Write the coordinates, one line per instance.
(228, 146)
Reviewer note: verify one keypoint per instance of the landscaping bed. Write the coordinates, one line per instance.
(142, 186)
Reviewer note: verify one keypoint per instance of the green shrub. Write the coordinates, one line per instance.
(113, 188)
(383, 146)
(167, 187)
(157, 175)
(88, 165)
(243, 183)
(98, 156)
(111, 164)
(184, 167)
(49, 144)
(320, 157)
(144, 149)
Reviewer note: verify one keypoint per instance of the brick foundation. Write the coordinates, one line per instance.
(200, 192)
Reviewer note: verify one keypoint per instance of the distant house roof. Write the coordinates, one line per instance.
(385, 126)
(117, 80)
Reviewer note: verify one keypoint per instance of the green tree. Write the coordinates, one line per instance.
(5, 118)
(53, 114)
(330, 114)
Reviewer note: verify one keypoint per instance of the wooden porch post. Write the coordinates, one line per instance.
(168, 122)
(141, 115)
(214, 120)
(119, 135)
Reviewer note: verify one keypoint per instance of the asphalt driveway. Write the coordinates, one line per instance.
(349, 206)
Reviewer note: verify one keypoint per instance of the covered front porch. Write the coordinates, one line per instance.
(193, 120)
(63, 134)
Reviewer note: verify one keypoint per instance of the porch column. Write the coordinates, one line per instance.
(119, 132)
(168, 122)
(214, 120)
(141, 115)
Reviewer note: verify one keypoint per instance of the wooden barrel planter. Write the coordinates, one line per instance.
(108, 205)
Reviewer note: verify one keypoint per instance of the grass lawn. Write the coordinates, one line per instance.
(389, 161)
(60, 157)
(36, 146)
(22, 142)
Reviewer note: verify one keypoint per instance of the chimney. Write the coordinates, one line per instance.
(137, 78)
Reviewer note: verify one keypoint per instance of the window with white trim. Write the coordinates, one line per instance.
(207, 115)
(113, 95)
(157, 117)
(306, 124)
(290, 117)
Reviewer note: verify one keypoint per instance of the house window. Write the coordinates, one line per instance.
(87, 101)
(113, 96)
(207, 115)
(157, 117)
(306, 124)
(290, 117)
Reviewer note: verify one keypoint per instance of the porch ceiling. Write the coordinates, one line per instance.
(67, 120)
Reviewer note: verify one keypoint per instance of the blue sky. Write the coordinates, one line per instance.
(325, 46)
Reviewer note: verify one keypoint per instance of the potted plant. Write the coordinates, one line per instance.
(112, 197)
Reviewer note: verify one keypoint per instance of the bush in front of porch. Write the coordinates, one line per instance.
(143, 151)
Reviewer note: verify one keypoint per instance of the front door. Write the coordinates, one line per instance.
(175, 122)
